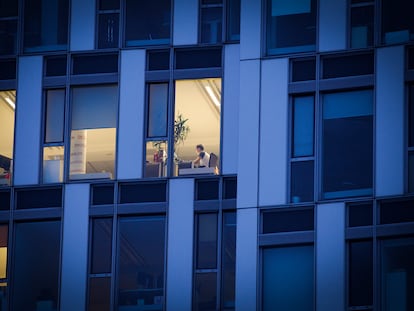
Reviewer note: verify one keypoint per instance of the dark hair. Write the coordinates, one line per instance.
(200, 146)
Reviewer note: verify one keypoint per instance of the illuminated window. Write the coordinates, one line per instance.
(7, 111)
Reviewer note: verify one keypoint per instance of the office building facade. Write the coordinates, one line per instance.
(301, 199)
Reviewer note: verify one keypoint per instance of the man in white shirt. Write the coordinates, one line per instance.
(203, 157)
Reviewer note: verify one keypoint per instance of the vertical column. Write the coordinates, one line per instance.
(249, 116)
(180, 244)
(82, 25)
(28, 120)
(131, 114)
(330, 257)
(250, 29)
(230, 111)
(273, 132)
(246, 263)
(389, 147)
(332, 25)
(74, 248)
(185, 22)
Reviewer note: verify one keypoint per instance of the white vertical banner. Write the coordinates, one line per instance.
(78, 152)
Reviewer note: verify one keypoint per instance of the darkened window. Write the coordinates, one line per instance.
(360, 275)
(108, 5)
(303, 70)
(228, 263)
(54, 115)
(143, 192)
(99, 294)
(7, 69)
(90, 64)
(4, 235)
(288, 221)
(158, 60)
(108, 24)
(397, 274)
(347, 145)
(303, 127)
(396, 212)
(36, 265)
(411, 116)
(147, 22)
(288, 270)
(302, 181)
(207, 190)
(349, 65)
(205, 58)
(141, 262)
(45, 25)
(362, 24)
(360, 214)
(157, 110)
(299, 16)
(233, 20)
(102, 194)
(101, 248)
(4, 200)
(211, 17)
(410, 56)
(411, 172)
(56, 66)
(8, 27)
(206, 241)
(38, 198)
(205, 291)
(230, 188)
(397, 21)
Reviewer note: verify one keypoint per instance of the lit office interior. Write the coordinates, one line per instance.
(197, 119)
(7, 111)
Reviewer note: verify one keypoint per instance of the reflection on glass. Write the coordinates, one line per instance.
(141, 263)
(3, 250)
(397, 21)
(7, 111)
(45, 25)
(301, 181)
(299, 16)
(55, 113)
(411, 172)
(36, 265)
(156, 159)
(303, 126)
(228, 277)
(101, 254)
(197, 121)
(397, 274)
(233, 20)
(205, 291)
(8, 36)
(108, 30)
(362, 26)
(157, 110)
(211, 25)
(53, 164)
(207, 241)
(99, 294)
(3, 295)
(288, 278)
(93, 135)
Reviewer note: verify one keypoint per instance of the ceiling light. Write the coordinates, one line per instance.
(10, 102)
(213, 96)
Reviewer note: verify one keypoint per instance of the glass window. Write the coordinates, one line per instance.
(4, 233)
(303, 115)
(141, 262)
(411, 116)
(299, 16)
(230, 188)
(302, 181)
(207, 189)
(99, 294)
(392, 212)
(360, 214)
(397, 21)
(228, 270)
(362, 25)
(158, 60)
(8, 27)
(348, 65)
(156, 158)
(200, 58)
(143, 192)
(205, 291)
(38, 198)
(211, 21)
(55, 115)
(93, 132)
(4, 200)
(157, 110)
(45, 25)
(8, 69)
(36, 266)
(197, 126)
(397, 274)
(276, 221)
(101, 253)
(361, 287)
(90, 64)
(347, 144)
(108, 30)
(411, 172)
(7, 112)
(233, 20)
(53, 158)
(288, 273)
(206, 241)
(303, 70)
(103, 194)
(147, 22)
(55, 66)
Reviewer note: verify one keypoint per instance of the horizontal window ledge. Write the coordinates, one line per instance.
(54, 81)
(142, 208)
(395, 229)
(197, 73)
(208, 205)
(347, 82)
(101, 210)
(4, 216)
(302, 87)
(94, 79)
(359, 232)
(286, 238)
(160, 75)
(40, 213)
(8, 84)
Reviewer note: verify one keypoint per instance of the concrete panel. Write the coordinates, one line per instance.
(330, 257)
(75, 248)
(230, 111)
(249, 110)
(332, 25)
(180, 244)
(185, 22)
(389, 172)
(274, 132)
(246, 263)
(82, 25)
(131, 114)
(28, 121)
(250, 29)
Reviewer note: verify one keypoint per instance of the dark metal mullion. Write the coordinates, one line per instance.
(220, 224)
(115, 251)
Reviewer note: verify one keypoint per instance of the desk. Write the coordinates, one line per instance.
(105, 175)
(197, 171)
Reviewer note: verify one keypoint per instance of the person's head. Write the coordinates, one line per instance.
(199, 148)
